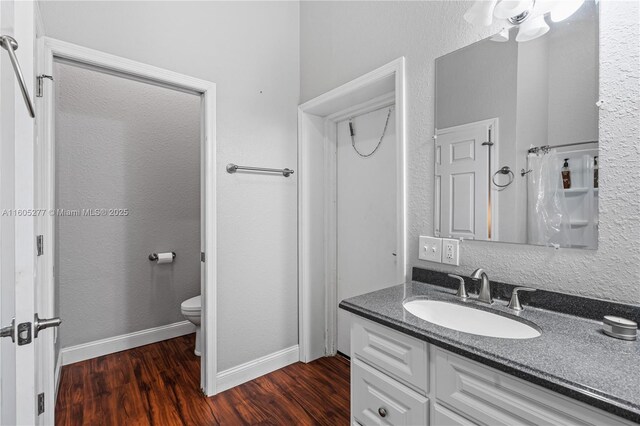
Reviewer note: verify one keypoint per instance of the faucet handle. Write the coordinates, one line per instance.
(462, 291)
(514, 303)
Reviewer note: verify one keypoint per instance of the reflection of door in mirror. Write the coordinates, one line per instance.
(462, 196)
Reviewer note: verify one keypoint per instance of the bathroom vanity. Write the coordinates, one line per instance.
(407, 371)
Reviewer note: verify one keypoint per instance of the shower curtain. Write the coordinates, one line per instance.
(547, 215)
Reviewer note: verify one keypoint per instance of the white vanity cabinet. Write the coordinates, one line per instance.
(389, 376)
(399, 380)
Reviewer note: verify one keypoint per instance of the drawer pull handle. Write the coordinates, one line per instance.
(382, 411)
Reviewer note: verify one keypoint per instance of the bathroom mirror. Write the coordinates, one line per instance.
(516, 137)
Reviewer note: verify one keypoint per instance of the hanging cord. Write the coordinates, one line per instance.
(353, 133)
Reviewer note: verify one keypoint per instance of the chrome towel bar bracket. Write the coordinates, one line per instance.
(232, 168)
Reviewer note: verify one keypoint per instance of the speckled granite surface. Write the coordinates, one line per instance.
(572, 356)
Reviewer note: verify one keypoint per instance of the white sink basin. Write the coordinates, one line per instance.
(470, 320)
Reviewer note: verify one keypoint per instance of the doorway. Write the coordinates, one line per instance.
(366, 208)
(106, 161)
(343, 197)
(127, 185)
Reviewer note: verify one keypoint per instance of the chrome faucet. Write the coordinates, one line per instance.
(484, 295)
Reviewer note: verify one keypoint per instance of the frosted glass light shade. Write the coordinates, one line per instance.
(481, 12)
(508, 8)
(532, 28)
(562, 9)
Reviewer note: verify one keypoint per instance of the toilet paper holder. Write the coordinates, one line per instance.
(154, 256)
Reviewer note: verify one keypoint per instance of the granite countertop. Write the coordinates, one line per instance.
(572, 356)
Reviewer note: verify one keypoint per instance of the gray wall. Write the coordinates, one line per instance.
(251, 51)
(124, 144)
(476, 83)
(573, 79)
(343, 40)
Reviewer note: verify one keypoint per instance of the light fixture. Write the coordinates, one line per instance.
(527, 15)
(532, 28)
(562, 9)
(480, 13)
(508, 8)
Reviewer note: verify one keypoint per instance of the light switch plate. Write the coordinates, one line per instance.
(430, 249)
(450, 251)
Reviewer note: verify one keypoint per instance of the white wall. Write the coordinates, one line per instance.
(124, 144)
(251, 51)
(343, 40)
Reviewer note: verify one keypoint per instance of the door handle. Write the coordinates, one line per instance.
(11, 45)
(9, 331)
(41, 324)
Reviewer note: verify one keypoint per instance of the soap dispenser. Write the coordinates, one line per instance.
(566, 174)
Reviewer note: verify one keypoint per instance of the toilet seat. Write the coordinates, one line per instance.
(193, 305)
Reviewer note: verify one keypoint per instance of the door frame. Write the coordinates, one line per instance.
(317, 239)
(17, 263)
(50, 50)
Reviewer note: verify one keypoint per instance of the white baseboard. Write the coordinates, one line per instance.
(123, 342)
(258, 367)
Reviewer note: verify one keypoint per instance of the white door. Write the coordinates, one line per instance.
(17, 229)
(462, 203)
(366, 211)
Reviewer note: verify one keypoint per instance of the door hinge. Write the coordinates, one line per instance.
(201, 256)
(40, 403)
(40, 244)
(39, 86)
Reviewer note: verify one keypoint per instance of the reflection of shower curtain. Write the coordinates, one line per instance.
(547, 215)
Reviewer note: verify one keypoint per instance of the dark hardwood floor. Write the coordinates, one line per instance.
(159, 384)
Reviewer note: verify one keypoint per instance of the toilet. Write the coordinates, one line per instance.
(192, 310)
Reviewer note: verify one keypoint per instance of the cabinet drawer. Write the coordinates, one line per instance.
(377, 399)
(395, 353)
(494, 398)
(445, 417)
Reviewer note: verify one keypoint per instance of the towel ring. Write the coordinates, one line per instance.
(503, 171)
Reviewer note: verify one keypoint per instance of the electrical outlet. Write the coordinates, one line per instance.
(451, 252)
(430, 249)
